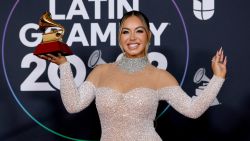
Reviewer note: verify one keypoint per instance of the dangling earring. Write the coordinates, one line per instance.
(146, 49)
(123, 52)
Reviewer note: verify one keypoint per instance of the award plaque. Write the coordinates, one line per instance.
(51, 41)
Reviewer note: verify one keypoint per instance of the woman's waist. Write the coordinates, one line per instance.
(130, 132)
(131, 136)
(127, 124)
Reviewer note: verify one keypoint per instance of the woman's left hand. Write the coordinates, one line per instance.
(219, 64)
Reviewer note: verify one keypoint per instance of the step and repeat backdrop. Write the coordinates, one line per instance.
(186, 34)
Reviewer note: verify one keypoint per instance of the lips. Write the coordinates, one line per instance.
(133, 45)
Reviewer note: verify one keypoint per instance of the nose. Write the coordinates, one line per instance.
(132, 36)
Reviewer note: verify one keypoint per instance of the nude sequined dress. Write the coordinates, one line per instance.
(129, 116)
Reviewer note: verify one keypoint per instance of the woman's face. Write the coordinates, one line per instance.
(134, 37)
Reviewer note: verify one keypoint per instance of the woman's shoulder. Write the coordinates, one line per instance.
(96, 73)
(165, 78)
(101, 67)
(159, 71)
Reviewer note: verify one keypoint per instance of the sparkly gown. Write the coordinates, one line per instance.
(129, 116)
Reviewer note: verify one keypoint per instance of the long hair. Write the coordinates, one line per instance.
(144, 20)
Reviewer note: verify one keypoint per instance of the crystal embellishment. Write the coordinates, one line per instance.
(132, 65)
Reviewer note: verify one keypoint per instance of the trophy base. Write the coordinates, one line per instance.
(53, 48)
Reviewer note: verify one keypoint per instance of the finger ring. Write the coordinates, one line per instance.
(49, 59)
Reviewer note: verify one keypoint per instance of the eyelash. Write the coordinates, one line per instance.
(124, 32)
(138, 31)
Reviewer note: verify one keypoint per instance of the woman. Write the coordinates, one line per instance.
(127, 91)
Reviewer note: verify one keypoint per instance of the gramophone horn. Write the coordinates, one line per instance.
(200, 76)
(46, 21)
(95, 59)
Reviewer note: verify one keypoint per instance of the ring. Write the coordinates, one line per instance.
(49, 59)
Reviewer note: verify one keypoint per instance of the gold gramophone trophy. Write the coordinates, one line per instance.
(52, 41)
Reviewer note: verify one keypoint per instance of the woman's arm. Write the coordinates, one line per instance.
(191, 107)
(194, 107)
(74, 99)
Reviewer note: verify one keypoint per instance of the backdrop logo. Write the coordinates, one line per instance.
(201, 78)
(90, 19)
(78, 36)
(88, 28)
(203, 9)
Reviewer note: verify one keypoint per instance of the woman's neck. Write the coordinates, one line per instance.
(132, 65)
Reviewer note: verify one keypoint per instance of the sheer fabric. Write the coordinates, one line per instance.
(127, 103)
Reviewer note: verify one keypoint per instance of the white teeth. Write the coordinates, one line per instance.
(133, 46)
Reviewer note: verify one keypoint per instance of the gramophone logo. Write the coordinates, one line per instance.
(203, 9)
(201, 78)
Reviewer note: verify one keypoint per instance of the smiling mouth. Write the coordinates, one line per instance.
(133, 46)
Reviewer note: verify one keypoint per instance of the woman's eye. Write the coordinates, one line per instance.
(139, 31)
(125, 32)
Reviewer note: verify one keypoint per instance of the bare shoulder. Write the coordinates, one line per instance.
(164, 78)
(97, 72)
(101, 67)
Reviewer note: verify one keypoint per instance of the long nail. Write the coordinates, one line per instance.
(225, 61)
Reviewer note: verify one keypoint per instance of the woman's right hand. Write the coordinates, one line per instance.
(54, 59)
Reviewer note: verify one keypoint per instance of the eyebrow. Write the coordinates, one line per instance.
(135, 28)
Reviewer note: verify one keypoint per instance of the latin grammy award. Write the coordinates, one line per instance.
(52, 41)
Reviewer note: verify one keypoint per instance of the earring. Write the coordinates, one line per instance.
(149, 43)
(123, 52)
